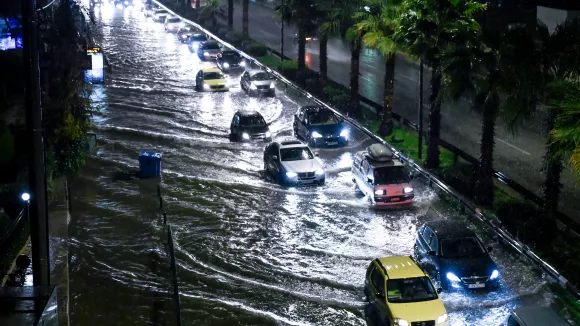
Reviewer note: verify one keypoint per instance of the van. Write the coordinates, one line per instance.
(380, 175)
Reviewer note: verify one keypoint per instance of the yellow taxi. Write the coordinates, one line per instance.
(212, 80)
(402, 294)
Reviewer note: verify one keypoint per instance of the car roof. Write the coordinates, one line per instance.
(210, 42)
(252, 72)
(291, 143)
(401, 267)
(539, 316)
(315, 108)
(208, 70)
(229, 51)
(377, 164)
(248, 113)
(447, 229)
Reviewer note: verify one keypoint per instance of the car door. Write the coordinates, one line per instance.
(272, 159)
(297, 121)
(304, 125)
(243, 80)
(219, 60)
(199, 78)
(377, 293)
(234, 127)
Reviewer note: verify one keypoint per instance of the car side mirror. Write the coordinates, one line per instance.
(316, 154)
(275, 157)
(369, 180)
(489, 249)
(439, 290)
(432, 253)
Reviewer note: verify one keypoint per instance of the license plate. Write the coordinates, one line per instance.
(476, 285)
(395, 199)
(307, 181)
(332, 143)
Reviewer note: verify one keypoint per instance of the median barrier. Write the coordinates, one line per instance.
(467, 206)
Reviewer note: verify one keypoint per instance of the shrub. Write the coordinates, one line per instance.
(288, 69)
(235, 38)
(337, 97)
(269, 61)
(255, 49)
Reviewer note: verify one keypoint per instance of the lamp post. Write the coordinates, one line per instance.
(26, 198)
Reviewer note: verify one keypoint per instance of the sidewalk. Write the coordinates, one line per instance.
(517, 156)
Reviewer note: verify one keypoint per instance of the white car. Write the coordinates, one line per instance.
(159, 15)
(173, 24)
(293, 163)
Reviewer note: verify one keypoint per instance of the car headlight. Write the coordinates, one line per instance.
(242, 63)
(401, 322)
(443, 318)
(226, 65)
(407, 190)
(205, 53)
(252, 86)
(315, 134)
(126, 2)
(206, 87)
(344, 133)
(268, 134)
(245, 136)
(380, 192)
(272, 85)
(291, 174)
(453, 278)
(319, 172)
(494, 274)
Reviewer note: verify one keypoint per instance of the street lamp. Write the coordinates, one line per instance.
(26, 198)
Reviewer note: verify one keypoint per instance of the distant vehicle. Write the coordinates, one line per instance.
(382, 177)
(159, 15)
(229, 60)
(455, 256)
(148, 10)
(195, 40)
(293, 163)
(403, 294)
(320, 126)
(249, 126)
(185, 32)
(258, 81)
(534, 316)
(172, 24)
(210, 80)
(208, 50)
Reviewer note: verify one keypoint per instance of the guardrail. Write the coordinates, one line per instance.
(499, 231)
(167, 227)
(9, 234)
(48, 5)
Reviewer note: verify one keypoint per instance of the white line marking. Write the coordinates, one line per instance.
(514, 147)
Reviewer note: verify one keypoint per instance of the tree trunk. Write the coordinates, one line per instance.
(323, 56)
(483, 191)
(354, 76)
(386, 128)
(553, 169)
(197, 7)
(301, 48)
(230, 14)
(434, 132)
(245, 20)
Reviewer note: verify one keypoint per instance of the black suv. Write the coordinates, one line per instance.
(185, 32)
(229, 60)
(248, 126)
(454, 256)
(320, 126)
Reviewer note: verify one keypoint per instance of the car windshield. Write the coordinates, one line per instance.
(211, 46)
(173, 20)
(231, 55)
(322, 118)
(261, 76)
(198, 38)
(213, 75)
(390, 175)
(187, 29)
(253, 121)
(461, 247)
(161, 12)
(296, 154)
(414, 289)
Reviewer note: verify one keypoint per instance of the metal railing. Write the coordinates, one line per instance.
(15, 226)
(466, 205)
(175, 284)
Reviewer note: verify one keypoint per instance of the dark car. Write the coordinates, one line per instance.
(248, 126)
(230, 60)
(208, 50)
(185, 32)
(455, 257)
(534, 316)
(195, 40)
(320, 126)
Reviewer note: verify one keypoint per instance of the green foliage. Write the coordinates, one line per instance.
(288, 65)
(378, 26)
(234, 37)
(269, 61)
(254, 48)
(337, 97)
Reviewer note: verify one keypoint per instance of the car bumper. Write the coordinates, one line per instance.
(263, 91)
(231, 68)
(329, 141)
(305, 180)
(172, 29)
(486, 285)
(394, 200)
(218, 89)
(209, 56)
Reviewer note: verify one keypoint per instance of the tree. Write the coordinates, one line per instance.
(230, 14)
(493, 62)
(211, 11)
(426, 28)
(303, 14)
(342, 23)
(378, 29)
(566, 133)
(245, 19)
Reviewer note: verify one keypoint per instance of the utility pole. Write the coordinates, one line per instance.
(420, 109)
(37, 174)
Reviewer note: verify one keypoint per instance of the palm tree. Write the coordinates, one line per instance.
(211, 11)
(427, 28)
(230, 14)
(303, 14)
(342, 23)
(566, 133)
(378, 29)
(245, 19)
(492, 62)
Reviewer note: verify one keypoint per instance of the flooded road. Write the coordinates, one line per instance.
(249, 252)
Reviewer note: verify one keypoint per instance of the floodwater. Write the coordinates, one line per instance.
(249, 252)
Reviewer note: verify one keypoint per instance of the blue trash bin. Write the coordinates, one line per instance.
(149, 164)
